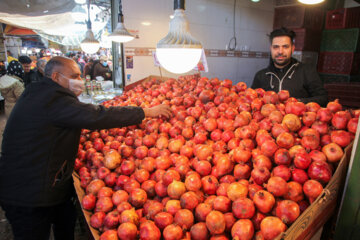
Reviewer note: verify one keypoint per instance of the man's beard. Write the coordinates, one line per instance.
(282, 64)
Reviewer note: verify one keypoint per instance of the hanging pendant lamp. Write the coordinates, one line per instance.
(179, 52)
(89, 45)
(310, 2)
(120, 33)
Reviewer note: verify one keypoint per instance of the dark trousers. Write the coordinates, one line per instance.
(34, 223)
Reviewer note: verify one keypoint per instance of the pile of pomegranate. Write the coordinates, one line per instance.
(232, 162)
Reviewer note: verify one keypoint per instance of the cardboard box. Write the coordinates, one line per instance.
(317, 214)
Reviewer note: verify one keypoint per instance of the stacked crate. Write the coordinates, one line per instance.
(339, 59)
(307, 23)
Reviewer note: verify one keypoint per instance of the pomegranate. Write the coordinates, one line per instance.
(292, 122)
(243, 229)
(172, 232)
(243, 208)
(333, 152)
(271, 227)
(288, 211)
(127, 231)
(184, 218)
(312, 189)
(277, 186)
(264, 201)
(260, 175)
(199, 231)
(215, 222)
(282, 171)
(109, 234)
(97, 219)
(236, 190)
(295, 192)
(340, 137)
(320, 171)
(163, 219)
(148, 230)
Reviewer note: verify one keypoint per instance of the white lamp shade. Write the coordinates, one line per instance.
(179, 52)
(310, 1)
(120, 34)
(90, 45)
(90, 48)
(80, 1)
(178, 60)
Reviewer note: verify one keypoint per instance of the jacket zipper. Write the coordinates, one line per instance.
(282, 79)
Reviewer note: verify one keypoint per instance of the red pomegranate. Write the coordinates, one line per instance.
(288, 211)
(271, 227)
(243, 229)
(264, 201)
(215, 222)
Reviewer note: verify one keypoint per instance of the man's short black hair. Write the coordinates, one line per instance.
(25, 60)
(51, 65)
(280, 32)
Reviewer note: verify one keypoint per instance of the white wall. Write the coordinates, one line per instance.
(211, 22)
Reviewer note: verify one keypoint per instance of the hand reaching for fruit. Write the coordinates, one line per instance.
(157, 111)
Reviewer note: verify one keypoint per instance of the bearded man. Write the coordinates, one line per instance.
(286, 73)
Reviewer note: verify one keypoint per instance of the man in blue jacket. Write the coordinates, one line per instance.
(286, 73)
(39, 147)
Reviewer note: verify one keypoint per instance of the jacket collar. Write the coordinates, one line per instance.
(276, 70)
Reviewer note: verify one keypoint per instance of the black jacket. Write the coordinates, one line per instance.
(41, 141)
(301, 80)
(32, 76)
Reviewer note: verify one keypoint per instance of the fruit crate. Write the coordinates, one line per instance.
(317, 214)
(341, 40)
(347, 93)
(343, 18)
(306, 57)
(336, 78)
(346, 63)
(298, 17)
(307, 39)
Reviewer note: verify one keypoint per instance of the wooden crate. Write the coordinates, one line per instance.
(316, 215)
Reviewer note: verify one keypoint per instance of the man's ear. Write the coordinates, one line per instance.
(55, 76)
(292, 48)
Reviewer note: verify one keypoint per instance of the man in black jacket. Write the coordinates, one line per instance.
(286, 73)
(30, 75)
(39, 147)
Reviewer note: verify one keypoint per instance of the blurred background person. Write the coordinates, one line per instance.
(11, 88)
(29, 74)
(101, 69)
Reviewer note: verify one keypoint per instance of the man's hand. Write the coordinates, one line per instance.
(157, 111)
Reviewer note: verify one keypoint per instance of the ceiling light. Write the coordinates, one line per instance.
(146, 23)
(80, 1)
(310, 1)
(179, 52)
(120, 33)
(255, 0)
(89, 45)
